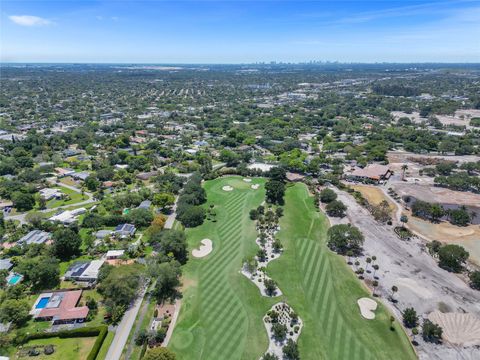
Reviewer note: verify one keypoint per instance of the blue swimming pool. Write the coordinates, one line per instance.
(42, 303)
(14, 279)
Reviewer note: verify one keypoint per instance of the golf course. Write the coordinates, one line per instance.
(221, 312)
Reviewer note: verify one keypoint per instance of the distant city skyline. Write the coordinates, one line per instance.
(196, 32)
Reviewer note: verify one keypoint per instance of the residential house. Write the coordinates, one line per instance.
(60, 307)
(84, 271)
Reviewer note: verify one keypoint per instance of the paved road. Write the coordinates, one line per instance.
(171, 218)
(123, 329)
(21, 217)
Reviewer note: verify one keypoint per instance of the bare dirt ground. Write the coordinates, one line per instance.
(374, 195)
(468, 236)
(460, 118)
(436, 194)
(402, 157)
(421, 283)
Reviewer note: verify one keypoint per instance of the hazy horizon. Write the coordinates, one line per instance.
(240, 32)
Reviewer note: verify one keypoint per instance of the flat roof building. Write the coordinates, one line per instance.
(84, 271)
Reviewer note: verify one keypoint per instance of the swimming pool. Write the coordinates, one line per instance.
(42, 303)
(14, 279)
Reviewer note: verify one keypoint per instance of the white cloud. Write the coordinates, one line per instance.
(29, 20)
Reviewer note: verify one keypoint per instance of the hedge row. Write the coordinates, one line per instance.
(99, 331)
(98, 343)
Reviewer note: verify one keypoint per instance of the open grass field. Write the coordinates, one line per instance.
(221, 315)
(65, 349)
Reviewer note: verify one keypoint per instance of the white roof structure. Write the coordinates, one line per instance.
(68, 216)
(114, 253)
(49, 193)
(91, 272)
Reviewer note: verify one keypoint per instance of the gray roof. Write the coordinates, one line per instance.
(35, 237)
(145, 204)
(5, 264)
(100, 234)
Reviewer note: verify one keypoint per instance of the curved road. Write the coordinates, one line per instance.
(21, 217)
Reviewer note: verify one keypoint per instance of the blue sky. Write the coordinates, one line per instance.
(239, 31)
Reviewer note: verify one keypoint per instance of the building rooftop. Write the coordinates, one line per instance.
(5, 264)
(35, 237)
(373, 171)
(61, 306)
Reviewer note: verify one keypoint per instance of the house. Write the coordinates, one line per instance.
(60, 307)
(35, 237)
(5, 264)
(370, 173)
(62, 172)
(121, 166)
(80, 175)
(102, 234)
(68, 217)
(145, 204)
(114, 254)
(50, 193)
(84, 271)
(5, 204)
(125, 230)
(147, 175)
(294, 177)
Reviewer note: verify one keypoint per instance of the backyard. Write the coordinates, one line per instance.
(65, 348)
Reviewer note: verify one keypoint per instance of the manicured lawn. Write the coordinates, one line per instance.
(324, 291)
(221, 315)
(65, 348)
(75, 197)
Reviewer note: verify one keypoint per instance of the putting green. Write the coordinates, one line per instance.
(221, 314)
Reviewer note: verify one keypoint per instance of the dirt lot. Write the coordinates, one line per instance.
(468, 237)
(436, 194)
(374, 195)
(460, 118)
(402, 157)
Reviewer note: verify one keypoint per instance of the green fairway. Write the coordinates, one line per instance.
(221, 314)
(323, 291)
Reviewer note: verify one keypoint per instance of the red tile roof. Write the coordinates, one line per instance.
(67, 309)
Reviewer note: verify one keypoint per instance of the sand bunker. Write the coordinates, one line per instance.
(247, 180)
(458, 328)
(227, 188)
(255, 186)
(367, 307)
(205, 249)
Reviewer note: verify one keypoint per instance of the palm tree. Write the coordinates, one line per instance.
(404, 168)
(403, 220)
(375, 268)
(349, 255)
(369, 260)
(394, 290)
(374, 284)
